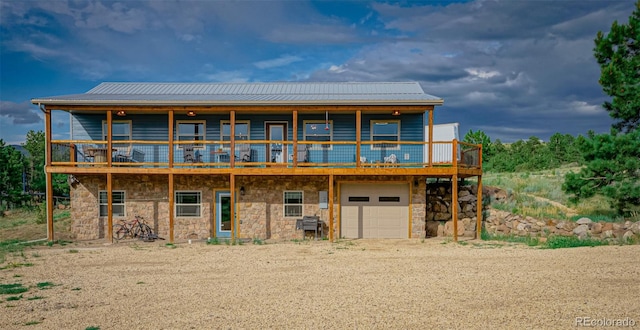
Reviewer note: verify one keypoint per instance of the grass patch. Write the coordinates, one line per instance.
(14, 288)
(16, 265)
(73, 251)
(92, 328)
(76, 289)
(35, 298)
(213, 241)
(528, 240)
(32, 323)
(257, 241)
(44, 285)
(561, 242)
(14, 298)
(170, 245)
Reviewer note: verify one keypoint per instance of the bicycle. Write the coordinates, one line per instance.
(137, 228)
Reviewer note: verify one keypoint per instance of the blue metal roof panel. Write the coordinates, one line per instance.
(249, 93)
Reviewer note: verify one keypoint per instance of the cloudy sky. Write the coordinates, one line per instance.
(512, 69)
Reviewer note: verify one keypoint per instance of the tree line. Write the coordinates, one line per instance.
(22, 177)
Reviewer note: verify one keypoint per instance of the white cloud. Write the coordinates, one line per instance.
(277, 62)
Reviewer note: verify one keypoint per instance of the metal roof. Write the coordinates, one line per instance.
(277, 93)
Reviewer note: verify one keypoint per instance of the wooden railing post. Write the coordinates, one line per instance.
(295, 138)
(358, 136)
(455, 153)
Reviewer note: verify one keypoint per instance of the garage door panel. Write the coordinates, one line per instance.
(366, 215)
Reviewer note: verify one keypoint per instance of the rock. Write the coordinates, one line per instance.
(432, 228)
(523, 226)
(596, 228)
(542, 240)
(440, 230)
(607, 226)
(636, 228)
(467, 198)
(448, 228)
(61, 206)
(582, 229)
(618, 233)
(607, 234)
(584, 221)
(463, 193)
(583, 236)
(627, 225)
(628, 235)
(503, 228)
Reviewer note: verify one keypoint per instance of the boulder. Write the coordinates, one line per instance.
(636, 228)
(627, 235)
(580, 230)
(607, 226)
(448, 228)
(523, 226)
(432, 228)
(596, 228)
(607, 234)
(584, 221)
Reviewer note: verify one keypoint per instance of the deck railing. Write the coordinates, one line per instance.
(265, 153)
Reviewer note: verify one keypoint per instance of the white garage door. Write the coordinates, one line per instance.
(374, 210)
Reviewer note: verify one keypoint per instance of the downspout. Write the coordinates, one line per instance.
(44, 167)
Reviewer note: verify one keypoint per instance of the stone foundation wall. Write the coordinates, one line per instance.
(260, 210)
(439, 205)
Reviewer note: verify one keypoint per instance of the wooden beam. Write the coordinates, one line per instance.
(171, 207)
(109, 207)
(330, 193)
(232, 146)
(479, 208)
(454, 206)
(48, 176)
(170, 123)
(232, 191)
(109, 137)
(252, 109)
(430, 138)
(455, 153)
(358, 136)
(295, 138)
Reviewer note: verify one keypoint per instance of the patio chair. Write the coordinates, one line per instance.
(88, 152)
(190, 156)
(303, 153)
(391, 159)
(244, 153)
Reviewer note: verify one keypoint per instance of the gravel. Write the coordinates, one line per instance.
(386, 284)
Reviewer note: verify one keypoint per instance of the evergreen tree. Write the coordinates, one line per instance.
(12, 165)
(618, 54)
(35, 144)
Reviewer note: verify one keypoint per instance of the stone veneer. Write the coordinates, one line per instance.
(260, 210)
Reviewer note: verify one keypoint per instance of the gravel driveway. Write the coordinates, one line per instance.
(360, 284)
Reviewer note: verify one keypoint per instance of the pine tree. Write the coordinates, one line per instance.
(618, 54)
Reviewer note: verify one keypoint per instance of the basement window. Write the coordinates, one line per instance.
(188, 203)
(388, 199)
(117, 203)
(293, 203)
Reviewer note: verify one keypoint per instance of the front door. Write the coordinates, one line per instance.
(223, 214)
(276, 150)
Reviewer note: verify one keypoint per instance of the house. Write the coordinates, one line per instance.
(248, 160)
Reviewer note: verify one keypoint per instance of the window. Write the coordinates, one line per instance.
(117, 203)
(242, 130)
(388, 199)
(358, 199)
(188, 203)
(318, 130)
(120, 130)
(385, 130)
(190, 130)
(293, 203)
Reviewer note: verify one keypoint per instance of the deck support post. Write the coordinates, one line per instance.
(479, 208)
(454, 205)
(171, 207)
(48, 175)
(110, 207)
(330, 193)
(295, 138)
(232, 191)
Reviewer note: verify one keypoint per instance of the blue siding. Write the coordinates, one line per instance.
(154, 128)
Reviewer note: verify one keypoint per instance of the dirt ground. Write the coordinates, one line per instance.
(361, 284)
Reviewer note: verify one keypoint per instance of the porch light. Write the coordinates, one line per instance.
(191, 113)
(396, 113)
(121, 113)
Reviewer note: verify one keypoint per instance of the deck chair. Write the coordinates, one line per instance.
(244, 152)
(303, 153)
(391, 159)
(122, 153)
(87, 152)
(190, 156)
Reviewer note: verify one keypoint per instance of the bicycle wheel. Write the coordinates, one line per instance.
(145, 232)
(119, 231)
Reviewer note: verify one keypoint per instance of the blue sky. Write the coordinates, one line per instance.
(512, 69)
